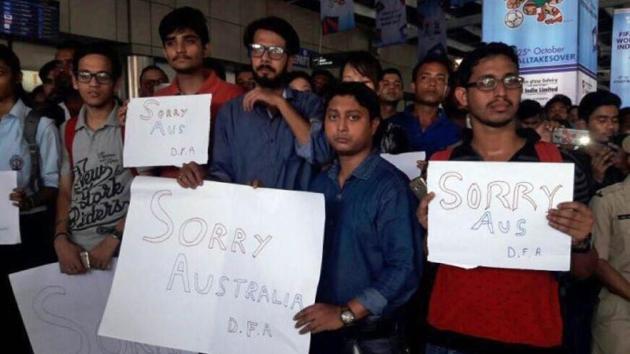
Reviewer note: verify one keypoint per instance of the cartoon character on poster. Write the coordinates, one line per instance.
(545, 11)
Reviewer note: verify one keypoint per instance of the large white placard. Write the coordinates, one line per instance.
(167, 130)
(61, 312)
(407, 162)
(9, 214)
(221, 269)
(493, 214)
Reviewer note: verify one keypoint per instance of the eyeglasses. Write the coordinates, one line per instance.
(258, 50)
(102, 77)
(489, 83)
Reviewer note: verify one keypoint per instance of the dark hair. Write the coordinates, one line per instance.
(151, 67)
(184, 18)
(433, 58)
(527, 109)
(366, 64)
(99, 49)
(324, 72)
(276, 25)
(594, 100)
(366, 97)
(46, 69)
(486, 50)
(13, 62)
(624, 114)
(244, 69)
(390, 71)
(69, 44)
(558, 98)
(298, 74)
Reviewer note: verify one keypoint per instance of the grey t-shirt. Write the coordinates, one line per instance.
(100, 184)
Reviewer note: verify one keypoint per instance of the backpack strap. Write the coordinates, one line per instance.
(69, 133)
(31, 122)
(548, 152)
(442, 155)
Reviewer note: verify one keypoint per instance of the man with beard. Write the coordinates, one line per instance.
(492, 310)
(271, 136)
(426, 126)
(390, 92)
(557, 109)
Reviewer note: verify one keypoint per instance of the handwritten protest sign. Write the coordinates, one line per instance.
(406, 162)
(61, 313)
(494, 214)
(167, 131)
(9, 214)
(221, 269)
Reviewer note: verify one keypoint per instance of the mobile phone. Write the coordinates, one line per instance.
(418, 187)
(575, 137)
(85, 259)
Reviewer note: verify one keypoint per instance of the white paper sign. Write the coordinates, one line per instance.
(493, 214)
(221, 269)
(407, 162)
(167, 130)
(61, 313)
(9, 214)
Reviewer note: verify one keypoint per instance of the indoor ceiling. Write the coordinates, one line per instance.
(464, 26)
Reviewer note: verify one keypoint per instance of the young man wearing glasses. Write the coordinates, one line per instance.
(93, 186)
(271, 135)
(426, 126)
(491, 310)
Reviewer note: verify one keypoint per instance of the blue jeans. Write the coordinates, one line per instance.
(434, 349)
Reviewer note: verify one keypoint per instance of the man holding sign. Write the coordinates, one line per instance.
(491, 310)
(371, 257)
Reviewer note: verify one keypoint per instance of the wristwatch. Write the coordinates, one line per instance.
(347, 317)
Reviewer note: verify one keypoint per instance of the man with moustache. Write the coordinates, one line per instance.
(271, 136)
(426, 126)
(492, 310)
(390, 92)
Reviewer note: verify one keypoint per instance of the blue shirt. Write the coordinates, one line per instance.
(372, 242)
(437, 136)
(257, 145)
(14, 154)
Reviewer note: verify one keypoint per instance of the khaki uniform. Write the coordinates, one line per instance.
(611, 237)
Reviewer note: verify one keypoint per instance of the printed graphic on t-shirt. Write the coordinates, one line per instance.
(99, 193)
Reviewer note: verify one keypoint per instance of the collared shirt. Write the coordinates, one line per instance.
(257, 145)
(14, 153)
(611, 231)
(372, 243)
(100, 184)
(221, 93)
(437, 136)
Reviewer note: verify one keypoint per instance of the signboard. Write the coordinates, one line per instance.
(220, 269)
(9, 214)
(556, 43)
(498, 219)
(391, 22)
(61, 313)
(167, 130)
(336, 16)
(620, 56)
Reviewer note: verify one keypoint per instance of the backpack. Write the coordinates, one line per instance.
(546, 152)
(31, 122)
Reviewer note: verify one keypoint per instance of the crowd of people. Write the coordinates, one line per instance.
(284, 129)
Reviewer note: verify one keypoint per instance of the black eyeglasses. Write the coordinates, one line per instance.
(489, 83)
(258, 50)
(102, 77)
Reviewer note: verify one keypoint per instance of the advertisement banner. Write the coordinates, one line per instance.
(619, 68)
(431, 29)
(391, 22)
(336, 15)
(554, 38)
